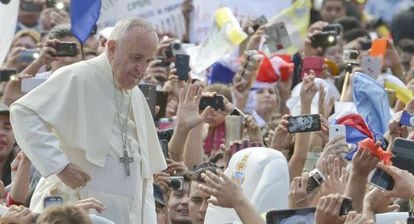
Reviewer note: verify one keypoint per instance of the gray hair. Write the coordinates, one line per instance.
(124, 25)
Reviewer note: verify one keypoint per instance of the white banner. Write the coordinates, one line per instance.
(165, 15)
(203, 13)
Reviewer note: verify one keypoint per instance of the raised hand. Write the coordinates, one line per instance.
(308, 89)
(90, 203)
(281, 138)
(336, 176)
(404, 182)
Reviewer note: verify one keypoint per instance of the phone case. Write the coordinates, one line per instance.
(304, 123)
(282, 216)
(182, 63)
(150, 93)
(379, 47)
(161, 101)
(66, 50)
(371, 65)
(278, 37)
(312, 63)
(336, 131)
(216, 102)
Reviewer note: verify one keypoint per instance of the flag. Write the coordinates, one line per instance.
(84, 14)
(8, 23)
(372, 104)
(296, 19)
(356, 131)
(402, 92)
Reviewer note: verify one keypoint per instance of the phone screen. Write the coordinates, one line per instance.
(161, 101)
(216, 102)
(182, 63)
(66, 50)
(52, 201)
(150, 93)
(403, 154)
(278, 37)
(304, 123)
(301, 215)
(382, 179)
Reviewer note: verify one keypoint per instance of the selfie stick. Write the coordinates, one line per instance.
(346, 81)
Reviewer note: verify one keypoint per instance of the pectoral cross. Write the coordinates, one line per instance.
(126, 160)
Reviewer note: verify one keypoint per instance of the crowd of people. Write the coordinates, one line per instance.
(109, 131)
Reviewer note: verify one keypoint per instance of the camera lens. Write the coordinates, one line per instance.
(175, 184)
(176, 46)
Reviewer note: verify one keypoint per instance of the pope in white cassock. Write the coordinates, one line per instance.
(89, 131)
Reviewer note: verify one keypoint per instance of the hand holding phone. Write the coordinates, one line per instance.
(324, 39)
(381, 179)
(6, 73)
(336, 131)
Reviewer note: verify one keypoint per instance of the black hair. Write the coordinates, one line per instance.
(406, 45)
(60, 31)
(348, 23)
(342, 1)
(353, 34)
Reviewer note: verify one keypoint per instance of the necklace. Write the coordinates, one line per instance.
(125, 158)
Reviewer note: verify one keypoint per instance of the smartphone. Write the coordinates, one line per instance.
(182, 63)
(6, 73)
(315, 180)
(350, 56)
(161, 101)
(313, 63)
(30, 6)
(216, 102)
(290, 216)
(371, 65)
(379, 47)
(150, 93)
(381, 179)
(52, 201)
(403, 154)
(336, 131)
(335, 27)
(164, 61)
(68, 49)
(304, 123)
(30, 83)
(324, 39)
(346, 207)
(164, 147)
(234, 128)
(28, 55)
(278, 37)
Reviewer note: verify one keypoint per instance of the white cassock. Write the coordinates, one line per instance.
(77, 116)
(263, 175)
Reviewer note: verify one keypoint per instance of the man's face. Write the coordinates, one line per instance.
(6, 136)
(332, 10)
(198, 204)
(178, 205)
(130, 56)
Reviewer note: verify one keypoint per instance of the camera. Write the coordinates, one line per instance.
(346, 207)
(6, 73)
(316, 178)
(336, 27)
(174, 48)
(350, 56)
(177, 183)
(66, 49)
(324, 39)
(54, 4)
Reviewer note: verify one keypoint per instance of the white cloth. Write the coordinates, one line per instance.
(79, 124)
(9, 14)
(264, 178)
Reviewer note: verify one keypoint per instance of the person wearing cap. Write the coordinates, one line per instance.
(7, 142)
